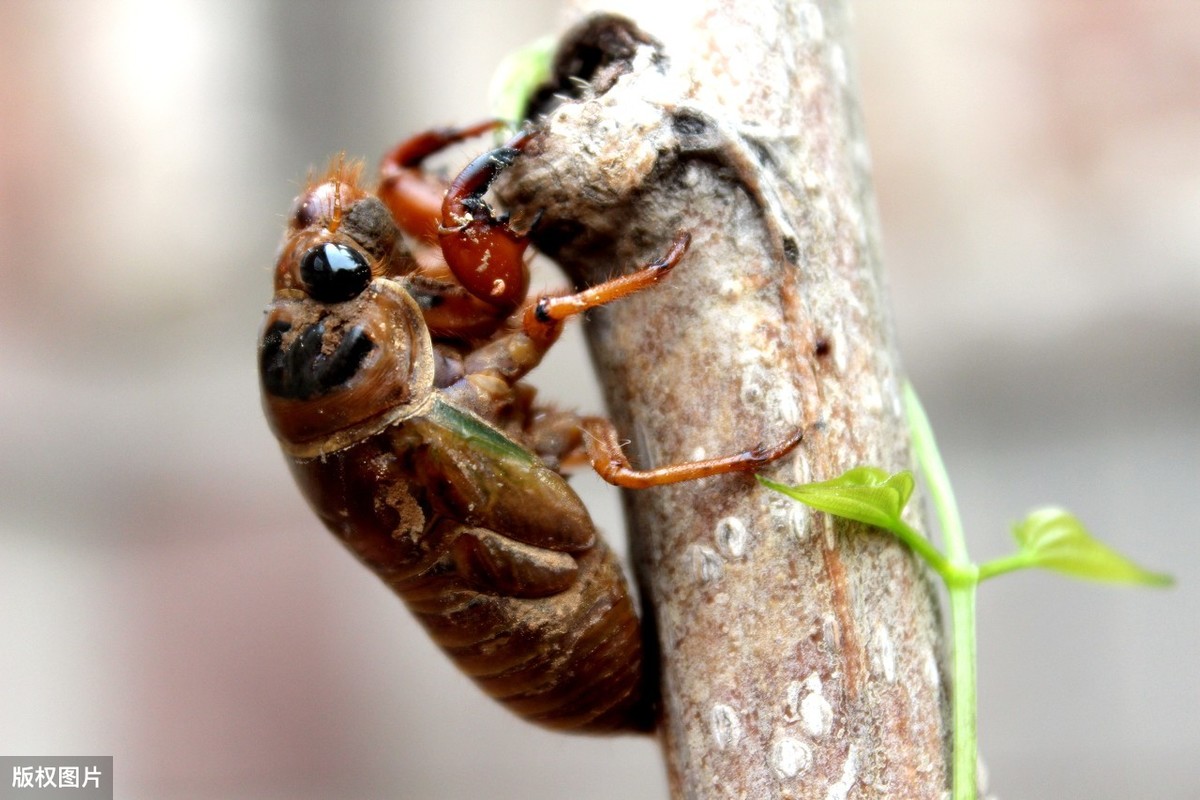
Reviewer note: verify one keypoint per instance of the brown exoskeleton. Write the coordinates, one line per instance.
(394, 387)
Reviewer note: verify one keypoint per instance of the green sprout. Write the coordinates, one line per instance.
(1047, 538)
(517, 77)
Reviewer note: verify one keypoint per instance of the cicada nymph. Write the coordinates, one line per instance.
(394, 384)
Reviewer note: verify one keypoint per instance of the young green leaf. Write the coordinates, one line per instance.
(1052, 538)
(517, 76)
(870, 495)
(863, 494)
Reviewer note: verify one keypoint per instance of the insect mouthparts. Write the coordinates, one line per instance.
(303, 369)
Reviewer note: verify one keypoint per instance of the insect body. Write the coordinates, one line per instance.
(393, 384)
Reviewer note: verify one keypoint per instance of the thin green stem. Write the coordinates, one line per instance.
(962, 597)
(953, 575)
(962, 616)
(925, 549)
(936, 479)
(999, 566)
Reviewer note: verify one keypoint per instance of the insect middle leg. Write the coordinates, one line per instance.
(493, 369)
(611, 464)
(543, 318)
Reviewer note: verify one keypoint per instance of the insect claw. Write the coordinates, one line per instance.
(679, 247)
(537, 217)
(764, 454)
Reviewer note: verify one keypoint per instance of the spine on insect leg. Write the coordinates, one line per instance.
(570, 660)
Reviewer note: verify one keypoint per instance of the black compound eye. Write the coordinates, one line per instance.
(334, 273)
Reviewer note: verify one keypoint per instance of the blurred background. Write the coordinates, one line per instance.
(167, 598)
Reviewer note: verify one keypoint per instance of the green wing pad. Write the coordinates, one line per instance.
(483, 478)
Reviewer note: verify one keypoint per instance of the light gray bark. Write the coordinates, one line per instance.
(801, 656)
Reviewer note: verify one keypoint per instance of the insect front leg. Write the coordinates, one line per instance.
(450, 311)
(479, 276)
(484, 253)
(414, 198)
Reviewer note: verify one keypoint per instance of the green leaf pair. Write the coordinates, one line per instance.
(1048, 538)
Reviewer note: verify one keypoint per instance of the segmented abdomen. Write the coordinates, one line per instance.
(572, 660)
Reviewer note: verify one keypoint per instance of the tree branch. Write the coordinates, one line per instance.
(800, 656)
